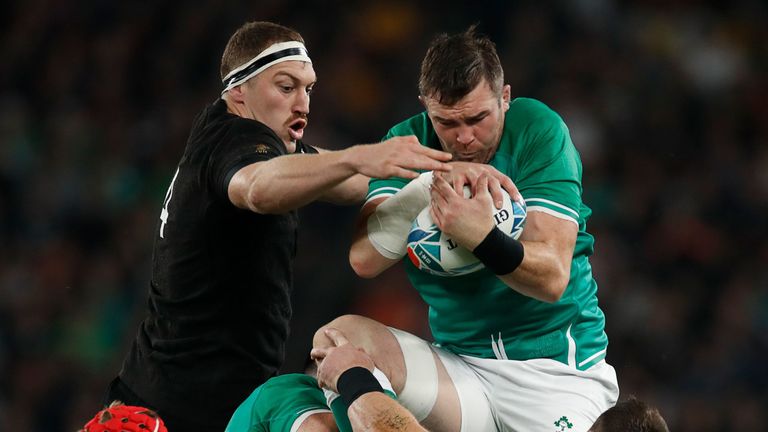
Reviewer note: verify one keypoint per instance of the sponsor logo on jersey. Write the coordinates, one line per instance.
(261, 149)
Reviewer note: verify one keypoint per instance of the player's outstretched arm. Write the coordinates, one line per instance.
(390, 153)
(288, 182)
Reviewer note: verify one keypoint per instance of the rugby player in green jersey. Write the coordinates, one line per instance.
(295, 402)
(519, 345)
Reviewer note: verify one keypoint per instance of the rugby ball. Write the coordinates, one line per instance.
(434, 252)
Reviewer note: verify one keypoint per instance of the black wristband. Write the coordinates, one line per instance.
(499, 252)
(356, 382)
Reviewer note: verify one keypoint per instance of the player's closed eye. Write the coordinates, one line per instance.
(475, 120)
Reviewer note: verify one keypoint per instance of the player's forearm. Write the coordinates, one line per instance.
(383, 225)
(365, 260)
(288, 182)
(349, 191)
(376, 412)
(542, 274)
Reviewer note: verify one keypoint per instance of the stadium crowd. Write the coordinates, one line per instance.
(666, 101)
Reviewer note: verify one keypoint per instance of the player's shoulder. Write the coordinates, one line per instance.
(289, 381)
(540, 133)
(418, 125)
(532, 120)
(216, 123)
(529, 110)
(255, 131)
(280, 387)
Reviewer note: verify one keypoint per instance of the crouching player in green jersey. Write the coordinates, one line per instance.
(519, 345)
(295, 402)
(285, 403)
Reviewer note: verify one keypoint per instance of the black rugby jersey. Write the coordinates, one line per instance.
(219, 297)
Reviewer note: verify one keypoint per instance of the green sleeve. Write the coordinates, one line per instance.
(277, 404)
(550, 168)
(246, 416)
(384, 187)
(418, 126)
(388, 187)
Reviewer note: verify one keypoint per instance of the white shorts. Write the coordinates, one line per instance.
(539, 395)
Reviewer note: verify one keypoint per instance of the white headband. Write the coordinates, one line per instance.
(279, 52)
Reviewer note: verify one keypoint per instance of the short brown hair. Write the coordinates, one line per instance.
(251, 39)
(631, 415)
(454, 65)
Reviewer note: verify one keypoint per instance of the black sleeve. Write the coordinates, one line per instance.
(254, 144)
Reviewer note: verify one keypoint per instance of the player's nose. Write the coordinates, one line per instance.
(464, 136)
(301, 103)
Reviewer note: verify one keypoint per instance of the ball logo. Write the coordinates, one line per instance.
(501, 216)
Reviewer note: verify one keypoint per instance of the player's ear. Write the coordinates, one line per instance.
(237, 94)
(423, 102)
(506, 95)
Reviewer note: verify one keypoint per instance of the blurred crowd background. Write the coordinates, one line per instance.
(667, 101)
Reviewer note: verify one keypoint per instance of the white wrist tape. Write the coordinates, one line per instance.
(388, 226)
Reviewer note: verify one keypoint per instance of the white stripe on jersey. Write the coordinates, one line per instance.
(551, 212)
(571, 347)
(552, 203)
(495, 348)
(371, 198)
(305, 415)
(502, 349)
(593, 356)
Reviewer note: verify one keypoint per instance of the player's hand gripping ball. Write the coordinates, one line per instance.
(433, 252)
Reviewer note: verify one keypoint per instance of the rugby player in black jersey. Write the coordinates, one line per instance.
(222, 265)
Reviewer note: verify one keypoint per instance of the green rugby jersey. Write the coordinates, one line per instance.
(477, 314)
(276, 405)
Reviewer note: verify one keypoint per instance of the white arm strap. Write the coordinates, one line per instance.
(389, 225)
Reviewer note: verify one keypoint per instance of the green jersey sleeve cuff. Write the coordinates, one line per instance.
(305, 415)
(383, 191)
(552, 208)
